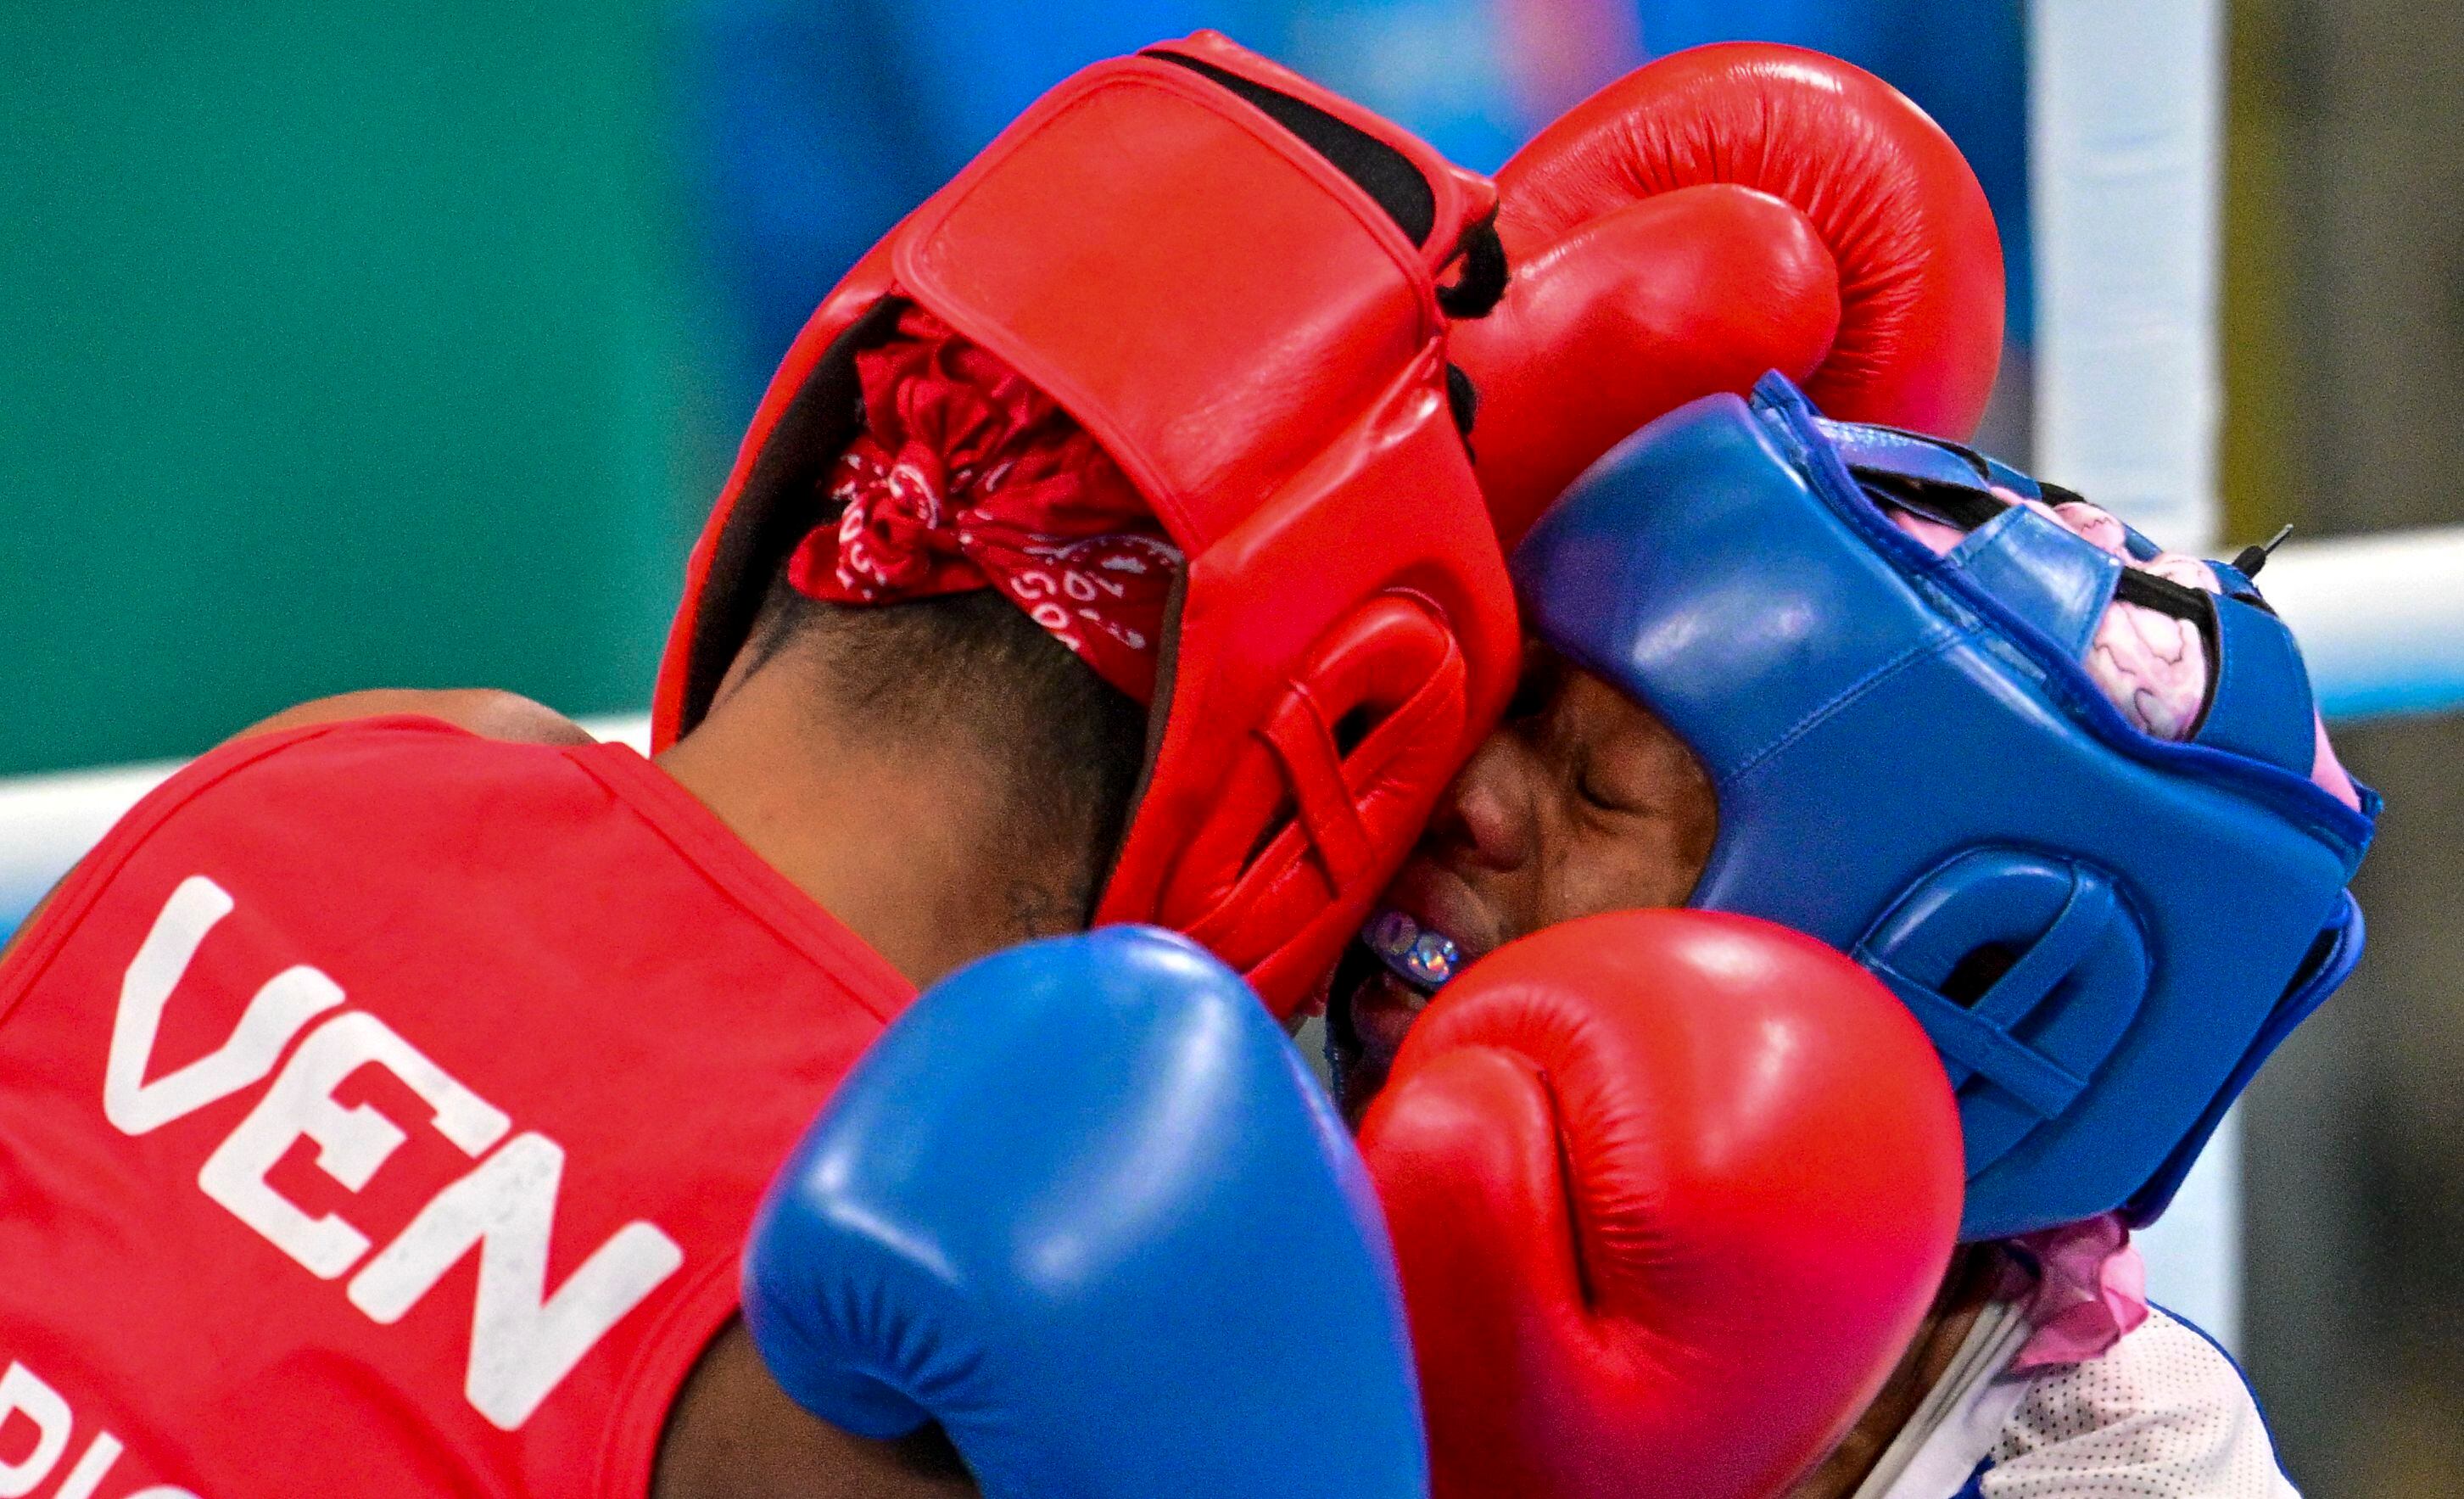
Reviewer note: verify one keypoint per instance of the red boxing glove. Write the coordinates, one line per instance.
(1670, 1191)
(1724, 211)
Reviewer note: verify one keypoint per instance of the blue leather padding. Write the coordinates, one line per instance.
(1740, 642)
(1973, 1046)
(2233, 581)
(2260, 703)
(2058, 676)
(2339, 953)
(2042, 573)
(2004, 477)
(2022, 1050)
(1083, 1206)
(1870, 713)
(1910, 454)
(1868, 448)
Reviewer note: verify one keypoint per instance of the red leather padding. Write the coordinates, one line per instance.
(1302, 830)
(1167, 370)
(1867, 268)
(1259, 346)
(1670, 1191)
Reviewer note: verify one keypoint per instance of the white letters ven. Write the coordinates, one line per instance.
(524, 1339)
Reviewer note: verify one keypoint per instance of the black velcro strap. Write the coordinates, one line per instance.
(1462, 398)
(1380, 170)
(2165, 596)
(1954, 505)
(1476, 292)
(2182, 602)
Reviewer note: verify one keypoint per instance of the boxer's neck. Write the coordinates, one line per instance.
(1965, 1288)
(902, 842)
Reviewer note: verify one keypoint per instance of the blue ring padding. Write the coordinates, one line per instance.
(2428, 687)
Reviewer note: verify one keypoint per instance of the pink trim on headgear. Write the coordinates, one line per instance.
(2153, 666)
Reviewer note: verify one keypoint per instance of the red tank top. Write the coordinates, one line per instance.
(381, 1108)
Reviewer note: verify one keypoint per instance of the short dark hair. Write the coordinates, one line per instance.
(1071, 746)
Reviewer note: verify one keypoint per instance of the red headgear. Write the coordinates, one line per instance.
(1226, 275)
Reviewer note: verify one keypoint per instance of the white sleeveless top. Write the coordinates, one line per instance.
(2164, 1414)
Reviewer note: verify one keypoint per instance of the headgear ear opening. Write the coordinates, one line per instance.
(1316, 812)
(2027, 972)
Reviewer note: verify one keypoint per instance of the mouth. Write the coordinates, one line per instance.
(1418, 953)
(1387, 976)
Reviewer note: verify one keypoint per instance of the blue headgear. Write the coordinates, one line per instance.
(2104, 934)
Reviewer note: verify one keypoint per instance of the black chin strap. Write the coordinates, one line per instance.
(1343, 1047)
(1965, 509)
(1476, 292)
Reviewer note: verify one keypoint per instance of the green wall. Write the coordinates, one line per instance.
(340, 346)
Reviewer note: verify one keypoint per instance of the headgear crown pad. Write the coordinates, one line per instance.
(1228, 277)
(2103, 933)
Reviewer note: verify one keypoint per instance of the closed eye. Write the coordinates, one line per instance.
(1601, 796)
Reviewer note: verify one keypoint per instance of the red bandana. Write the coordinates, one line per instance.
(966, 476)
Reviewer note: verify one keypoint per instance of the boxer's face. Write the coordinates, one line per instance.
(1580, 802)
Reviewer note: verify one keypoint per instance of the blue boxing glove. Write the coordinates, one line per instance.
(1082, 1206)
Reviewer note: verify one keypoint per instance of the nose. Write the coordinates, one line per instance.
(1487, 817)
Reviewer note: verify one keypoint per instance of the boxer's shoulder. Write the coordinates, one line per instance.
(488, 711)
(346, 778)
(336, 822)
(2166, 1405)
(403, 756)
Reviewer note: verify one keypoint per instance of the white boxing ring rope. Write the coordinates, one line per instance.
(2381, 619)
(47, 822)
